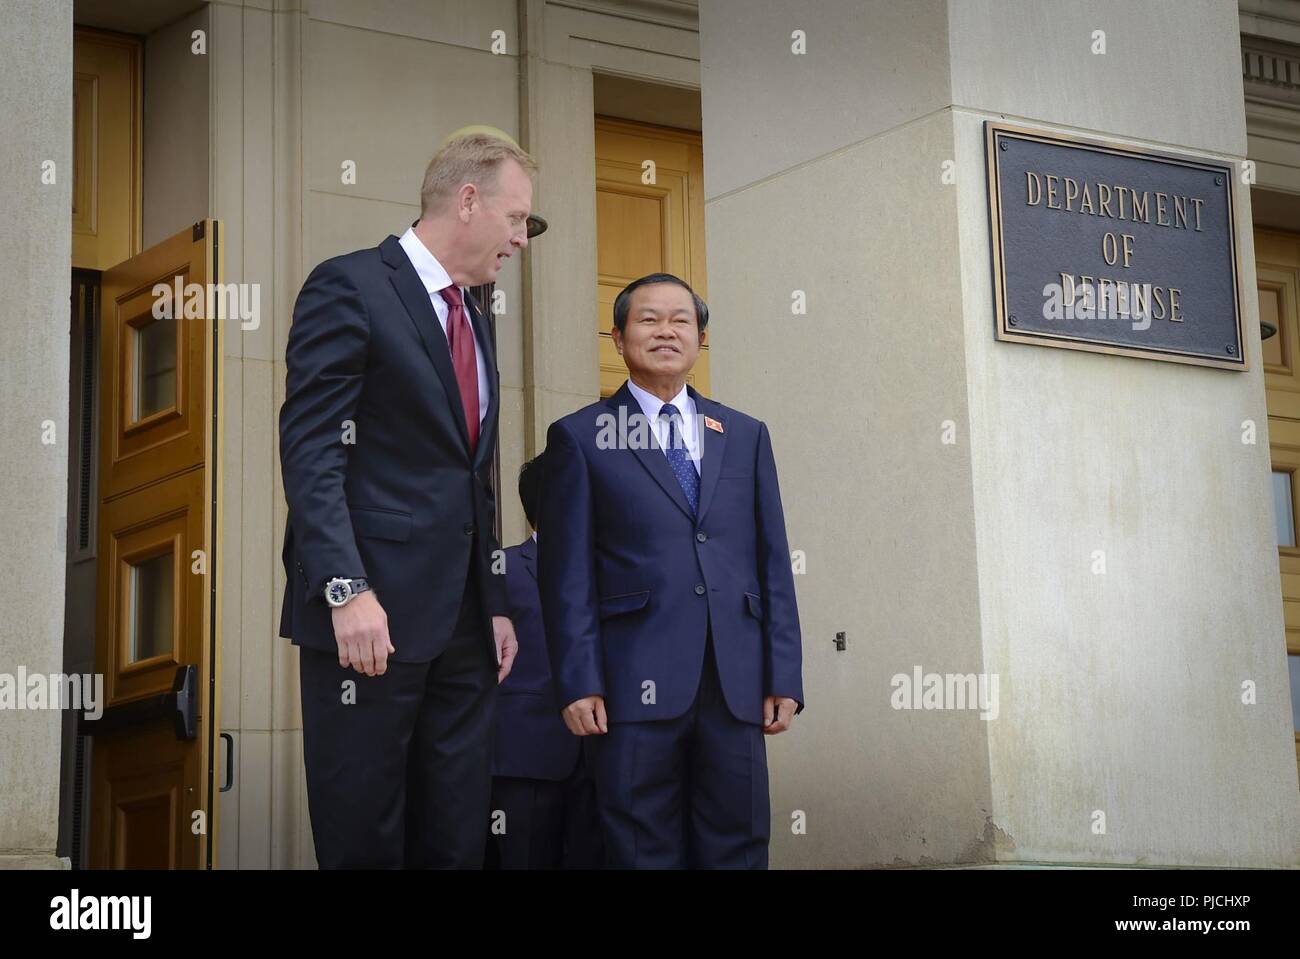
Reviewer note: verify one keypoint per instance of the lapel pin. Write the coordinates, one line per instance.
(712, 424)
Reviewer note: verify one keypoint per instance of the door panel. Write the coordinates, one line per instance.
(152, 783)
(1277, 266)
(152, 600)
(646, 227)
(153, 369)
(107, 99)
(145, 793)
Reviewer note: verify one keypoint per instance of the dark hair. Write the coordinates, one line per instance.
(623, 303)
(530, 488)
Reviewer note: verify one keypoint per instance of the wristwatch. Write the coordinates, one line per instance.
(340, 592)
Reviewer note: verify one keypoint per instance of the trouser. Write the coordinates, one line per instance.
(689, 792)
(398, 770)
(550, 824)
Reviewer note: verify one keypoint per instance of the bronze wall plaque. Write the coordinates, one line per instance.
(1111, 248)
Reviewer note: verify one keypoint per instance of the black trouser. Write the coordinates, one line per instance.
(398, 768)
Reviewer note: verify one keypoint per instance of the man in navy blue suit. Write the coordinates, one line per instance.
(543, 803)
(668, 598)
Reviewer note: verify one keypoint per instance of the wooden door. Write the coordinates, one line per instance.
(1277, 265)
(152, 780)
(107, 103)
(649, 219)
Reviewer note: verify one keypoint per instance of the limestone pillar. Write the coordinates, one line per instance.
(35, 253)
(950, 492)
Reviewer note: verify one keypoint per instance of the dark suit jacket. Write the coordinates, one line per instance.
(531, 740)
(631, 582)
(404, 505)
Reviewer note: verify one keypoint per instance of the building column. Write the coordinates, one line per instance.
(35, 252)
(561, 369)
(950, 493)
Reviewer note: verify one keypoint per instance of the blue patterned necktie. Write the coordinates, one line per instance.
(679, 459)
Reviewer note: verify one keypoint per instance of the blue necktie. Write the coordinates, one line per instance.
(680, 460)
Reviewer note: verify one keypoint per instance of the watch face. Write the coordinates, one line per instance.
(337, 593)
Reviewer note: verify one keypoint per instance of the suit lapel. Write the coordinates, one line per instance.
(420, 308)
(651, 457)
(713, 443)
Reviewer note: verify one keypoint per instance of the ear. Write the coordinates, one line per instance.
(704, 336)
(618, 339)
(466, 199)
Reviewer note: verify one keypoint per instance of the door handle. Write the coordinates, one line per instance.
(230, 762)
(184, 699)
(181, 705)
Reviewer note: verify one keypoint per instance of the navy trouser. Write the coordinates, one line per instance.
(684, 793)
(548, 824)
(401, 777)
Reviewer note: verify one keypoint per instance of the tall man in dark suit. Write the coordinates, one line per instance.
(543, 801)
(388, 425)
(668, 598)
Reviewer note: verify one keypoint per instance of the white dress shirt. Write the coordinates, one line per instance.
(436, 279)
(689, 424)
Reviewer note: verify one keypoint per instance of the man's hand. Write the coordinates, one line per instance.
(586, 717)
(361, 630)
(503, 632)
(778, 713)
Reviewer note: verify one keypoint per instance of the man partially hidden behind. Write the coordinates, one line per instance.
(668, 598)
(387, 430)
(543, 803)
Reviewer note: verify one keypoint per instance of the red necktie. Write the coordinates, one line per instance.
(460, 338)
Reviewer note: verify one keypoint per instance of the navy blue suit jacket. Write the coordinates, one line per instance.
(531, 740)
(631, 581)
(404, 505)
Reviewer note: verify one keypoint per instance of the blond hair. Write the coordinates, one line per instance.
(474, 158)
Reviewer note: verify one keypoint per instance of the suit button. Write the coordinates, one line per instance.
(469, 529)
(699, 589)
(701, 536)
